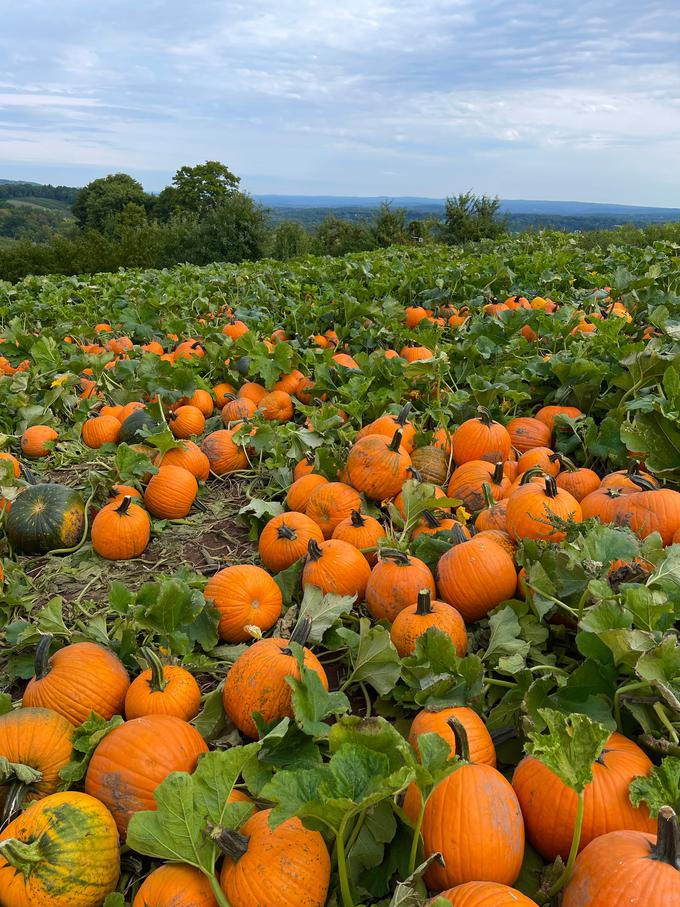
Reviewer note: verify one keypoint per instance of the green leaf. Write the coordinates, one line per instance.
(570, 747)
(5, 703)
(50, 619)
(660, 788)
(376, 661)
(659, 439)
(115, 899)
(310, 699)
(17, 770)
(131, 465)
(373, 733)
(163, 441)
(178, 828)
(86, 739)
(434, 676)
(505, 639)
(288, 581)
(412, 892)
(211, 722)
(324, 610)
(167, 606)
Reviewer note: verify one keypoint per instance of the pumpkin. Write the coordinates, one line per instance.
(417, 619)
(252, 391)
(34, 439)
(336, 567)
(189, 456)
(629, 867)
(276, 406)
(527, 433)
(578, 481)
(186, 421)
(388, 425)
(605, 503)
(301, 490)
(132, 760)
(363, 532)
(289, 383)
(238, 409)
(46, 517)
(121, 531)
(606, 803)
(201, 399)
(626, 478)
(286, 866)
(98, 430)
(305, 466)
(432, 524)
(256, 682)
(78, 679)
(330, 503)
(171, 493)
(479, 739)
(284, 540)
(432, 463)
(245, 596)
(61, 852)
(486, 894)
(15, 465)
(548, 414)
(40, 739)
(415, 353)
(395, 582)
(132, 425)
(118, 492)
(467, 483)
(122, 412)
(500, 537)
(223, 392)
(175, 885)
(531, 506)
(223, 453)
(378, 467)
(542, 457)
(473, 819)
(651, 511)
(163, 690)
(475, 576)
(494, 514)
(481, 439)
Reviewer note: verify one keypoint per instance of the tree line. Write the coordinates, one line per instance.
(203, 217)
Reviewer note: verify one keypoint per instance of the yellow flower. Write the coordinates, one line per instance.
(60, 380)
(462, 515)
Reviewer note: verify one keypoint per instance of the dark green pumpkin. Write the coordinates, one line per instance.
(242, 365)
(131, 427)
(46, 517)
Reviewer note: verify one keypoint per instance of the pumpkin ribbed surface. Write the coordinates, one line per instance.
(223, 453)
(486, 894)
(131, 761)
(175, 885)
(394, 584)
(287, 866)
(41, 739)
(432, 463)
(244, 595)
(476, 576)
(336, 567)
(46, 517)
(479, 739)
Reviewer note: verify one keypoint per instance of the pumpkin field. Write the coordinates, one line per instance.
(347, 581)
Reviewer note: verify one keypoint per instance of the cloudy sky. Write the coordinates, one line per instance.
(552, 99)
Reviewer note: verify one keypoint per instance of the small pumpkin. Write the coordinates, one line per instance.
(495, 512)
(432, 463)
(162, 690)
(201, 399)
(301, 490)
(284, 540)
(223, 392)
(363, 532)
(256, 682)
(305, 466)
(98, 430)
(481, 439)
(530, 508)
(171, 492)
(395, 582)
(223, 453)
(132, 425)
(330, 503)
(486, 894)
(578, 481)
(542, 457)
(276, 406)
(121, 531)
(189, 456)
(629, 867)
(80, 678)
(46, 517)
(337, 567)
(34, 439)
(417, 619)
(468, 481)
(473, 819)
(378, 467)
(388, 425)
(285, 866)
(548, 414)
(438, 722)
(132, 760)
(238, 409)
(245, 595)
(61, 852)
(527, 433)
(175, 885)
(186, 421)
(252, 391)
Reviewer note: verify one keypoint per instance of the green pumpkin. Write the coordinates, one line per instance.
(130, 429)
(46, 517)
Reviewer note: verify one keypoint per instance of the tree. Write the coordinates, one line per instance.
(469, 218)
(335, 236)
(99, 204)
(198, 190)
(389, 227)
(289, 240)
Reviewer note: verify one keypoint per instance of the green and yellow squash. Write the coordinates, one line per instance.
(45, 518)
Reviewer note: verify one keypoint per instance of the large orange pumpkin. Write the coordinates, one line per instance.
(474, 576)
(481, 439)
(245, 595)
(395, 582)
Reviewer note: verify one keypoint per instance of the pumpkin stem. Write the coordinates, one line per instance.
(357, 519)
(530, 474)
(431, 519)
(424, 605)
(199, 505)
(461, 738)
(497, 475)
(314, 552)
(27, 474)
(485, 416)
(285, 532)
(458, 534)
(158, 682)
(667, 847)
(21, 856)
(563, 461)
(414, 473)
(395, 443)
(309, 457)
(300, 634)
(633, 468)
(550, 487)
(489, 500)
(642, 483)
(15, 792)
(124, 505)
(399, 557)
(403, 415)
(42, 656)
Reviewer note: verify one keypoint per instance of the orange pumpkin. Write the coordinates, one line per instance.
(530, 508)
(175, 885)
(481, 439)
(285, 538)
(395, 582)
(413, 621)
(224, 454)
(479, 739)
(34, 439)
(330, 503)
(245, 595)
(162, 690)
(475, 576)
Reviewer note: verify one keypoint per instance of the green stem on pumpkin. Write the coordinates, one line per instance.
(220, 896)
(158, 681)
(416, 839)
(21, 856)
(575, 841)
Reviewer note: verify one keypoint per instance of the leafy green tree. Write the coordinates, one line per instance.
(101, 202)
(198, 190)
(289, 240)
(469, 218)
(389, 227)
(335, 236)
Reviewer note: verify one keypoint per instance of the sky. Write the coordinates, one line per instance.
(538, 100)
